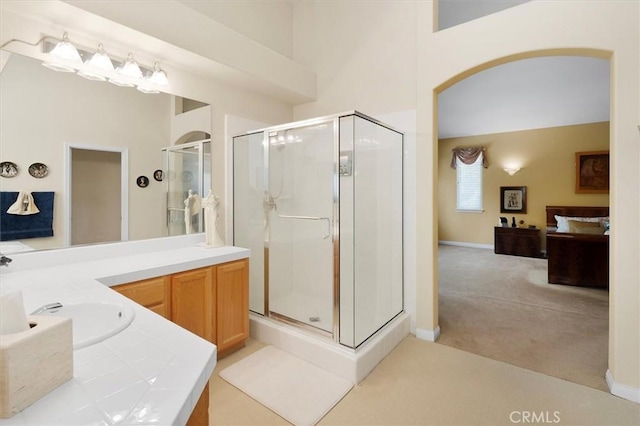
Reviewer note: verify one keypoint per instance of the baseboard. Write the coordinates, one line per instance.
(430, 335)
(623, 391)
(463, 244)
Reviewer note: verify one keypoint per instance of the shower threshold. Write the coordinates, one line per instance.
(351, 364)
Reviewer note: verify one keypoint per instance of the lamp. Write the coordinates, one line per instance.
(127, 73)
(153, 80)
(98, 66)
(66, 56)
(159, 76)
(130, 68)
(511, 170)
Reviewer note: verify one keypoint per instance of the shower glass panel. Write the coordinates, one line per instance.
(188, 177)
(371, 291)
(250, 217)
(300, 204)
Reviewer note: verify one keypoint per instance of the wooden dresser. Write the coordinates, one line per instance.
(517, 241)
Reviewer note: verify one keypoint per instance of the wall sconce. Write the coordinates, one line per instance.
(98, 66)
(63, 52)
(511, 170)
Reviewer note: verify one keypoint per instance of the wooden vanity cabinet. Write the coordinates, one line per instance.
(212, 302)
(154, 294)
(232, 306)
(193, 301)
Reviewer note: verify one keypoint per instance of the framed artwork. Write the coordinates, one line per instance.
(592, 172)
(513, 199)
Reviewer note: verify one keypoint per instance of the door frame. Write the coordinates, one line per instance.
(124, 186)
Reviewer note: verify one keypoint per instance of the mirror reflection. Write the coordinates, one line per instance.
(97, 141)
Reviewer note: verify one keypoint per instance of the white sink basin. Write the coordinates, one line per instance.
(93, 322)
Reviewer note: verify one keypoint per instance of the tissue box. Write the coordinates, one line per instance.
(34, 362)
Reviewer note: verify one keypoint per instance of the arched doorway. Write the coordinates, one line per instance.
(491, 210)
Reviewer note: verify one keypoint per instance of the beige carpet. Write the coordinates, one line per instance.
(295, 389)
(423, 383)
(502, 307)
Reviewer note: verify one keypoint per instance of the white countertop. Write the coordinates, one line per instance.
(154, 371)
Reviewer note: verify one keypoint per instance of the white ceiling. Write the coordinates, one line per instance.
(527, 94)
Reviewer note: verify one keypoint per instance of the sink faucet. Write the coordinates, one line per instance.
(5, 261)
(53, 307)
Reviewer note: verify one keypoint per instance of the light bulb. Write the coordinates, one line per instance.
(98, 67)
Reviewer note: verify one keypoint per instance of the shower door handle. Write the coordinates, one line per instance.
(284, 216)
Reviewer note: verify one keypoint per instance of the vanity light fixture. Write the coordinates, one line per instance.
(130, 68)
(66, 56)
(127, 73)
(98, 67)
(511, 170)
(146, 87)
(159, 76)
(153, 80)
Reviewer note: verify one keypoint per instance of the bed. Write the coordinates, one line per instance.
(577, 246)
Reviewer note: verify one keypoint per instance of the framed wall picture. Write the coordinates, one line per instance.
(513, 199)
(592, 172)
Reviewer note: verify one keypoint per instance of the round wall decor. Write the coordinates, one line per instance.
(142, 181)
(38, 170)
(8, 169)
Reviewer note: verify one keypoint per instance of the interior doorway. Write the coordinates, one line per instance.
(97, 195)
(521, 282)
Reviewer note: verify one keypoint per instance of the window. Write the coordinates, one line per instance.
(469, 185)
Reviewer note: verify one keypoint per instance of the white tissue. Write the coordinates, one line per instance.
(13, 318)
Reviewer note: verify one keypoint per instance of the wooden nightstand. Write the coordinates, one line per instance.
(517, 241)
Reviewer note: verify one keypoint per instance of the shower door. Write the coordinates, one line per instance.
(187, 169)
(301, 205)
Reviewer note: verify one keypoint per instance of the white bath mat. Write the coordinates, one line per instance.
(292, 388)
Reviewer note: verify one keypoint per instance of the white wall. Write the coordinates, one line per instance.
(362, 52)
(270, 23)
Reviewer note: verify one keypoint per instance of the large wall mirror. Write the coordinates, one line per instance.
(44, 112)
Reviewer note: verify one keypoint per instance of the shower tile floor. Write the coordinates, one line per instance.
(304, 308)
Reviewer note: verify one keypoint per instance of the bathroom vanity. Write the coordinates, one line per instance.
(211, 302)
(155, 370)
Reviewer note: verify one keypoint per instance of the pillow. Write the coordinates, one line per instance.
(579, 227)
(563, 226)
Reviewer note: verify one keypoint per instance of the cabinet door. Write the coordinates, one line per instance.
(192, 301)
(232, 299)
(154, 294)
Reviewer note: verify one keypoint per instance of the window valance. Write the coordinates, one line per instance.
(469, 155)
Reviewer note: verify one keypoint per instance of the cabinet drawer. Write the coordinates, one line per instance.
(154, 293)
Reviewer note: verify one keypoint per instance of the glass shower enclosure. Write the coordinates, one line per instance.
(187, 173)
(319, 203)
